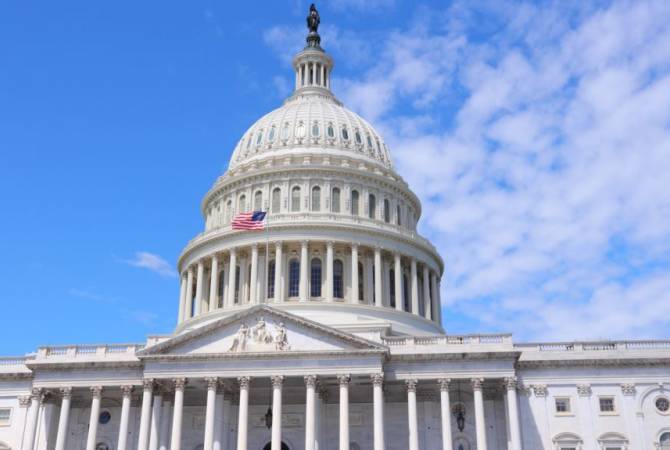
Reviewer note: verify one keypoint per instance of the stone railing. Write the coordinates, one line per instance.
(13, 361)
(449, 340)
(87, 351)
(599, 346)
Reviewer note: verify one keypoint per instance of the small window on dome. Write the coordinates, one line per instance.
(315, 129)
(260, 137)
(369, 142)
(271, 134)
(345, 134)
(300, 130)
(358, 137)
(331, 131)
(285, 131)
(249, 141)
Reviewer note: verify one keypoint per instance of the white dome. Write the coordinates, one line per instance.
(314, 122)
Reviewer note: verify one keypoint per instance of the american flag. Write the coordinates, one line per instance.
(249, 221)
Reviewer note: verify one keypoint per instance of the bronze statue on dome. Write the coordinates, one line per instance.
(313, 21)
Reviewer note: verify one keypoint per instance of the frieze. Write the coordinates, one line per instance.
(259, 338)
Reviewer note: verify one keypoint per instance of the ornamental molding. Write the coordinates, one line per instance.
(311, 381)
(179, 384)
(444, 384)
(628, 389)
(584, 390)
(96, 392)
(618, 361)
(127, 390)
(411, 384)
(344, 379)
(65, 392)
(260, 338)
(277, 381)
(377, 379)
(510, 383)
(24, 401)
(244, 382)
(477, 384)
(212, 383)
(539, 390)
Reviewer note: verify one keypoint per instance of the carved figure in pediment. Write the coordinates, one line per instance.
(281, 339)
(260, 332)
(240, 340)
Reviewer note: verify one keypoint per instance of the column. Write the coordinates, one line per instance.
(310, 412)
(232, 268)
(277, 382)
(143, 440)
(513, 413)
(354, 274)
(415, 290)
(96, 395)
(438, 296)
(397, 274)
(198, 288)
(480, 425)
(344, 411)
(378, 407)
(427, 307)
(182, 298)
(433, 289)
(279, 289)
(445, 411)
(329, 271)
(210, 412)
(379, 299)
(411, 415)
(66, 399)
(188, 310)
(304, 273)
(178, 410)
(219, 426)
(253, 277)
(155, 428)
(243, 416)
(126, 392)
(323, 75)
(214, 284)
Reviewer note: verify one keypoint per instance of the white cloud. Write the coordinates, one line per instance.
(540, 147)
(152, 262)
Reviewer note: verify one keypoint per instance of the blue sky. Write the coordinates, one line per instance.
(536, 134)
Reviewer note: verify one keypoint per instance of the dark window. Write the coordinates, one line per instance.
(271, 279)
(372, 206)
(237, 284)
(335, 200)
(338, 279)
(361, 282)
(387, 211)
(104, 417)
(405, 294)
(294, 278)
(354, 202)
(315, 278)
(392, 287)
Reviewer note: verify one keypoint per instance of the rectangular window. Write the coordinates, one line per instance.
(607, 404)
(5, 416)
(562, 405)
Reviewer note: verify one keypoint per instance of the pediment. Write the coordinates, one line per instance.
(261, 329)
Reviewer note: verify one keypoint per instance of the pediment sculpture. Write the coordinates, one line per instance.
(260, 337)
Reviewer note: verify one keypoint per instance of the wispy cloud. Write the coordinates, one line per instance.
(538, 138)
(87, 294)
(152, 262)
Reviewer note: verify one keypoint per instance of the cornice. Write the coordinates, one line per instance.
(74, 364)
(511, 356)
(322, 354)
(595, 362)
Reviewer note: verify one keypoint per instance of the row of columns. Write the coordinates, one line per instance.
(193, 281)
(151, 432)
(306, 75)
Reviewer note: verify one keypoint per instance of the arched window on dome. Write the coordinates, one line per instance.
(271, 133)
(294, 278)
(330, 130)
(271, 278)
(316, 198)
(387, 210)
(259, 138)
(369, 142)
(315, 278)
(345, 134)
(229, 210)
(372, 206)
(398, 215)
(285, 131)
(361, 282)
(392, 287)
(276, 200)
(242, 204)
(355, 202)
(315, 129)
(258, 201)
(357, 136)
(335, 200)
(295, 199)
(251, 137)
(338, 279)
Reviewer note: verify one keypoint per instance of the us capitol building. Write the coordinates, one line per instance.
(323, 332)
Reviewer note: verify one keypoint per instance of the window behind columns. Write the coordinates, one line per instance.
(338, 279)
(405, 293)
(398, 215)
(392, 287)
(361, 282)
(258, 201)
(316, 198)
(219, 289)
(229, 210)
(422, 304)
(387, 210)
(295, 199)
(315, 278)
(335, 200)
(242, 204)
(355, 200)
(237, 284)
(271, 279)
(294, 278)
(276, 200)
